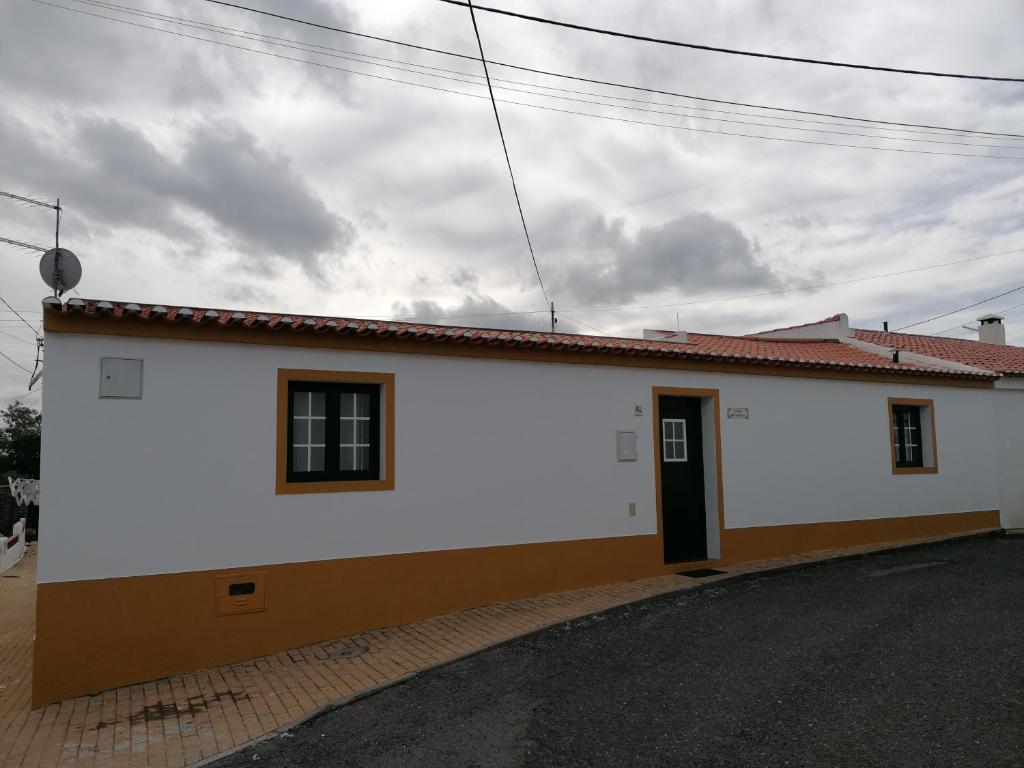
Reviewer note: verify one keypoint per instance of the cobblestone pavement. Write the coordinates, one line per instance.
(181, 720)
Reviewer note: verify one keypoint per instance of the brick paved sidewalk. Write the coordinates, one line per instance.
(180, 720)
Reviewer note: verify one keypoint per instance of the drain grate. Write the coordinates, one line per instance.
(700, 573)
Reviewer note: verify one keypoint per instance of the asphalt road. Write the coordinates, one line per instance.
(911, 658)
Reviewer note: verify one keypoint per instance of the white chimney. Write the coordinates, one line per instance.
(992, 330)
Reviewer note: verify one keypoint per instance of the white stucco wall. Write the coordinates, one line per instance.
(488, 452)
(1009, 427)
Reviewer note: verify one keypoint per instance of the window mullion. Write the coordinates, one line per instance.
(332, 430)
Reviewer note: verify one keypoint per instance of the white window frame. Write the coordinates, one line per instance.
(674, 440)
(355, 445)
(309, 418)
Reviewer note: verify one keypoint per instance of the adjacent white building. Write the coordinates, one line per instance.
(220, 485)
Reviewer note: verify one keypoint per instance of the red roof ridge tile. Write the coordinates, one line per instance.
(803, 353)
(834, 318)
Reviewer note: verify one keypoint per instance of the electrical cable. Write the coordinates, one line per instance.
(960, 326)
(335, 53)
(20, 317)
(12, 336)
(961, 309)
(732, 51)
(15, 362)
(732, 298)
(508, 161)
(529, 105)
(692, 129)
(592, 81)
(323, 50)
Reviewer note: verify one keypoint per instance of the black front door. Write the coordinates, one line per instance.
(683, 516)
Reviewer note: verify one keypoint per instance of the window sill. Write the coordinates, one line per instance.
(335, 486)
(915, 470)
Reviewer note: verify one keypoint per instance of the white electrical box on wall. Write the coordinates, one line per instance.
(121, 378)
(625, 446)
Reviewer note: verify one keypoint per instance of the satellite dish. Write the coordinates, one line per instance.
(60, 269)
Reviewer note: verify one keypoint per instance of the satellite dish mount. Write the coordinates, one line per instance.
(59, 267)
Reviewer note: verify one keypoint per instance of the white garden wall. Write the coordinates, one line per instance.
(488, 452)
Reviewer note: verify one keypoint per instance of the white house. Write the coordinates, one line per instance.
(221, 485)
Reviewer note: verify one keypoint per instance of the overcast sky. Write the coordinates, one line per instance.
(204, 175)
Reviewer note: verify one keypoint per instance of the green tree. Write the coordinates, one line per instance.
(20, 430)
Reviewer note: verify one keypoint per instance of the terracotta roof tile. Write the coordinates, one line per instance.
(734, 349)
(1008, 360)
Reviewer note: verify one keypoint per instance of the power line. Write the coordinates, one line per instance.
(592, 81)
(19, 315)
(324, 50)
(732, 51)
(961, 309)
(585, 323)
(11, 335)
(508, 161)
(960, 326)
(733, 298)
(529, 105)
(340, 54)
(15, 362)
(15, 397)
(331, 28)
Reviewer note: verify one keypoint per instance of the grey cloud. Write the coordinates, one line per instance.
(93, 44)
(254, 196)
(258, 196)
(691, 253)
(86, 55)
(464, 278)
(111, 177)
(480, 312)
(460, 277)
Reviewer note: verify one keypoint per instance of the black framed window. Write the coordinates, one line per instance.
(333, 431)
(907, 439)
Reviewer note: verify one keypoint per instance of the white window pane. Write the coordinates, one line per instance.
(680, 430)
(362, 458)
(346, 435)
(301, 432)
(299, 460)
(300, 403)
(347, 459)
(670, 450)
(363, 431)
(317, 431)
(346, 404)
(318, 402)
(316, 459)
(362, 405)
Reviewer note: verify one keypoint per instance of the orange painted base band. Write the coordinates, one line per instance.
(105, 633)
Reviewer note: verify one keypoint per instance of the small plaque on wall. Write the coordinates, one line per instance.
(737, 413)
